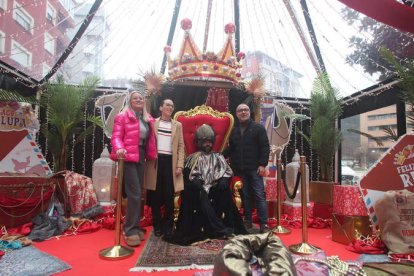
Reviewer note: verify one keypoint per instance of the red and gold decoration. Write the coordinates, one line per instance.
(218, 99)
(191, 63)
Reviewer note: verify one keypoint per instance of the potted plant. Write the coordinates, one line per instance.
(65, 110)
(325, 137)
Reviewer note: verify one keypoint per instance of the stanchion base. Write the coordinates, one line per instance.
(281, 230)
(304, 248)
(116, 252)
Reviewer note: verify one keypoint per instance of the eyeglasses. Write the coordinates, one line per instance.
(243, 110)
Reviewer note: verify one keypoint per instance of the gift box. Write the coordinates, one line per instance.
(22, 197)
(347, 200)
(294, 209)
(321, 192)
(322, 210)
(271, 189)
(344, 227)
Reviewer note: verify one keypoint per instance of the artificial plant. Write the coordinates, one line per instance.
(405, 73)
(65, 105)
(325, 137)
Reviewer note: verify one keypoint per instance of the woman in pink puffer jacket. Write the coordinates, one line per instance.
(133, 139)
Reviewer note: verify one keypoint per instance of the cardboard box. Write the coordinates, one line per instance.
(321, 192)
(344, 227)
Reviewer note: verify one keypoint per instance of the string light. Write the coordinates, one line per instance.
(84, 138)
(73, 152)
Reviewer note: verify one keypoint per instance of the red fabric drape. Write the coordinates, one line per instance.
(389, 12)
(24, 204)
(218, 99)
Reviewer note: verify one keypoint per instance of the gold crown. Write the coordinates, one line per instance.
(192, 64)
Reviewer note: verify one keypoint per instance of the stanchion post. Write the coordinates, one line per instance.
(117, 252)
(279, 229)
(304, 247)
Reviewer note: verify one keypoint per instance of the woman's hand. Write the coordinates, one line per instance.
(178, 171)
(121, 153)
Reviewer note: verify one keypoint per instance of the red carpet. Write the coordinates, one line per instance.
(82, 252)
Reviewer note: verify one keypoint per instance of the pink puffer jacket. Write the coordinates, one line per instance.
(125, 135)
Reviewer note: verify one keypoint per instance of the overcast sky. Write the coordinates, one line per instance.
(139, 31)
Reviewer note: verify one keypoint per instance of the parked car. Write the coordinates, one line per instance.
(349, 176)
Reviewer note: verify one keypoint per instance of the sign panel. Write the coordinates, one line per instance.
(394, 171)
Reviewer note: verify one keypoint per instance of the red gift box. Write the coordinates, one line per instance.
(347, 200)
(294, 209)
(322, 210)
(271, 189)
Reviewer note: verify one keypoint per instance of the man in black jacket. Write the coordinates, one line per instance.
(249, 153)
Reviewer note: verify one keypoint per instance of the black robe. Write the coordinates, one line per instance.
(205, 215)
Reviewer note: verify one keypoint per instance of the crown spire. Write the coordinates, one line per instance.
(192, 64)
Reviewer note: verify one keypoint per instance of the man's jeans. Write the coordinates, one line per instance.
(253, 186)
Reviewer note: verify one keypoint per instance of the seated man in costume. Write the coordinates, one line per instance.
(207, 209)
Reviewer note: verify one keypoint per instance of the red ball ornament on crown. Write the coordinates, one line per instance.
(241, 55)
(167, 49)
(230, 28)
(186, 24)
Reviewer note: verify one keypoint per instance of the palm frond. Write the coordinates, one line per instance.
(14, 96)
(375, 139)
(405, 72)
(390, 133)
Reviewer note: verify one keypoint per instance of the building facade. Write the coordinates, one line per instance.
(33, 37)
(87, 57)
(280, 80)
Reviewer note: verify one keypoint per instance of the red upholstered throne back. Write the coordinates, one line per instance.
(221, 122)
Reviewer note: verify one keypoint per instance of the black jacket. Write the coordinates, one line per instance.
(249, 151)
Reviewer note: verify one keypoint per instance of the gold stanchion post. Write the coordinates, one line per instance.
(279, 229)
(118, 251)
(304, 247)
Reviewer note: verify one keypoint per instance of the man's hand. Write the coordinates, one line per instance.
(178, 171)
(261, 171)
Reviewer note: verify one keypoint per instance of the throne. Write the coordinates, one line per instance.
(222, 124)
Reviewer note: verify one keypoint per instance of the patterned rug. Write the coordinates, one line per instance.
(30, 261)
(159, 255)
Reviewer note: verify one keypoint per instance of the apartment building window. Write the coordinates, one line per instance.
(49, 43)
(374, 128)
(2, 42)
(20, 54)
(23, 18)
(382, 116)
(3, 4)
(45, 69)
(50, 13)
